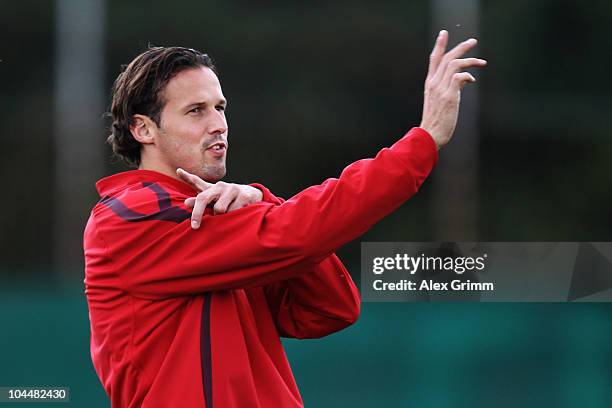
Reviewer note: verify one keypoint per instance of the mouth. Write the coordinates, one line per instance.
(218, 148)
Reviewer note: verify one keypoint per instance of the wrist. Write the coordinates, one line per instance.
(430, 133)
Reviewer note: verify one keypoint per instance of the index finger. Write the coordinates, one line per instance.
(200, 204)
(461, 48)
(192, 179)
(437, 53)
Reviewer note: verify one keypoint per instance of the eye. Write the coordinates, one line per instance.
(195, 110)
(221, 108)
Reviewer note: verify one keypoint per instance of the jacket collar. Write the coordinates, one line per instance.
(121, 181)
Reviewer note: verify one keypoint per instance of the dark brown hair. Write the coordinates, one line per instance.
(139, 90)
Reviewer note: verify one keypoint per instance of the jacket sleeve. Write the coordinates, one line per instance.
(315, 304)
(264, 242)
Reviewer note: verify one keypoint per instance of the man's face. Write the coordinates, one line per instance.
(193, 129)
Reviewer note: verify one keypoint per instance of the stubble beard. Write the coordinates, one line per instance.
(213, 172)
(213, 169)
(209, 172)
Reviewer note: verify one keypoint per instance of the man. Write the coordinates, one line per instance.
(189, 314)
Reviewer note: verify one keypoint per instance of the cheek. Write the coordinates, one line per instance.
(185, 136)
(181, 149)
(187, 150)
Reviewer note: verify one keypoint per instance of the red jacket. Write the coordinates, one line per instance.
(192, 318)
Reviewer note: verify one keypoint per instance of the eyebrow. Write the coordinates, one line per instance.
(222, 102)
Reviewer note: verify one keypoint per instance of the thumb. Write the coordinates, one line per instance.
(190, 202)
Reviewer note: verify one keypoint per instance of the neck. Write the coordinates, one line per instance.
(159, 166)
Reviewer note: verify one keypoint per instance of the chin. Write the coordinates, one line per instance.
(212, 175)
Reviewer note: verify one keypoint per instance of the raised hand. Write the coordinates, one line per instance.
(445, 80)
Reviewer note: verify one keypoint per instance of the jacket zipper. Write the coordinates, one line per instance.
(205, 351)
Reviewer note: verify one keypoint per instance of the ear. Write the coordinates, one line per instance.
(143, 129)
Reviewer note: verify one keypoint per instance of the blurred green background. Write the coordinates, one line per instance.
(312, 88)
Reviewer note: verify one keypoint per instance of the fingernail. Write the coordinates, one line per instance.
(471, 41)
(195, 224)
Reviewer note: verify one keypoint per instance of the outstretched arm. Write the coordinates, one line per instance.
(261, 243)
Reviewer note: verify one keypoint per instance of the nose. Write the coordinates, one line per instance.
(218, 124)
